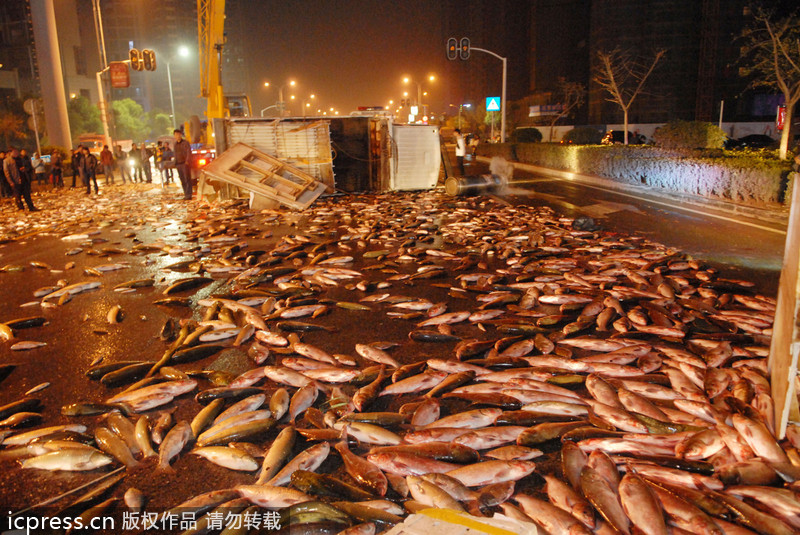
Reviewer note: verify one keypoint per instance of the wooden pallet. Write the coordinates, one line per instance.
(251, 170)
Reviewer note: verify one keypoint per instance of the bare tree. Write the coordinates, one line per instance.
(772, 52)
(571, 95)
(623, 74)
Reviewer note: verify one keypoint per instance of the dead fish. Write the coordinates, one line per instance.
(376, 355)
(26, 345)
(21, 419)
(189, 283)
(37, 388)
(227, 457)
(68, 460)
(173, 444)
(27, 323)
(115, 314)
(134, 499)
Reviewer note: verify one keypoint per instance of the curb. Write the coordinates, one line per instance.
(778, 215)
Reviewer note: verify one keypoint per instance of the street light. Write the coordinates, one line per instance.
(266, 85)
(182, 52)
(307, 104)
(281, 103)
(407, 80)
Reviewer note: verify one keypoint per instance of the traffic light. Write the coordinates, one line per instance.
(149, 59)
(452, 48)
(136, 59)
(464, 51)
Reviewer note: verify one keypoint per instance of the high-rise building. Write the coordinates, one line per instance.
(19, 73)
(163, 26)
(235, 77)
(561, 39)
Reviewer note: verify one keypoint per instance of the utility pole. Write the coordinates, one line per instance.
(53, 94)
(103, 103)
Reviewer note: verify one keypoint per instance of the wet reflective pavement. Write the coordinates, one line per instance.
(145, 229)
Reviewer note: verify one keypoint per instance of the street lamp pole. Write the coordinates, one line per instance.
(281, 105)
(503, 97)
(304, 103)
(171, 98)
(183, 52)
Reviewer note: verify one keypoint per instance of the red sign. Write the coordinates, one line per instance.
(781, 118)
(120, 76)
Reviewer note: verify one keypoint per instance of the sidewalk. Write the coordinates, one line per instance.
(777, 214)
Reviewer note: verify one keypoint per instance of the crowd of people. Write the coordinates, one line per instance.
(20, 171)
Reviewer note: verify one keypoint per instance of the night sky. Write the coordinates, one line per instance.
(349, 53)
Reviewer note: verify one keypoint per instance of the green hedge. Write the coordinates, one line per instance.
(690, 135)
(744, 178)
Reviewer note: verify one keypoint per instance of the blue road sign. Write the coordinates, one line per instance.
(492, 103)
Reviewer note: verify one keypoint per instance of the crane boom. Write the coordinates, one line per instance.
(211, 36)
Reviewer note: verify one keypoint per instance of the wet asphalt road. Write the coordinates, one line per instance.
(125, 217)
(738, 246)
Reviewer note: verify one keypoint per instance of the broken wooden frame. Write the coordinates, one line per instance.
(274, 180)
(303, 144)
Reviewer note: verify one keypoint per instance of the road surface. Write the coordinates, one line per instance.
(741, 246)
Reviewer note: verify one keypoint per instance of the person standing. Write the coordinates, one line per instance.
(461, 150)
(56, 172)
(20, 183)
(25, 167)
(6, 188)
(183, 157)
(77, 171)
(473, 145)
(107, 161)
(121, 160)
(167, 163)
(39, 168)
(146, 155)
(89, 168)
(137, 175)
(158, 158)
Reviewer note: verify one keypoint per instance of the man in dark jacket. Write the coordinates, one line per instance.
(56, 172)
(183, 157)
(25, 166)
(20, 183)
(5, 187)
(89, 169)
(77, 156)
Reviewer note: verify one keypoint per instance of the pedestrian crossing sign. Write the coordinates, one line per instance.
(492, 103)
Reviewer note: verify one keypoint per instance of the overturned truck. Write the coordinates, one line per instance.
(291, 161)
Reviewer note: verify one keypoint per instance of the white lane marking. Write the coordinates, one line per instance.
(662, 203)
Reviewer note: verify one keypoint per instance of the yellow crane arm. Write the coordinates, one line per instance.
(210, 32)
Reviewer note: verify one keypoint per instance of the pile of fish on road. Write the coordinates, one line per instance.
(409, 351)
